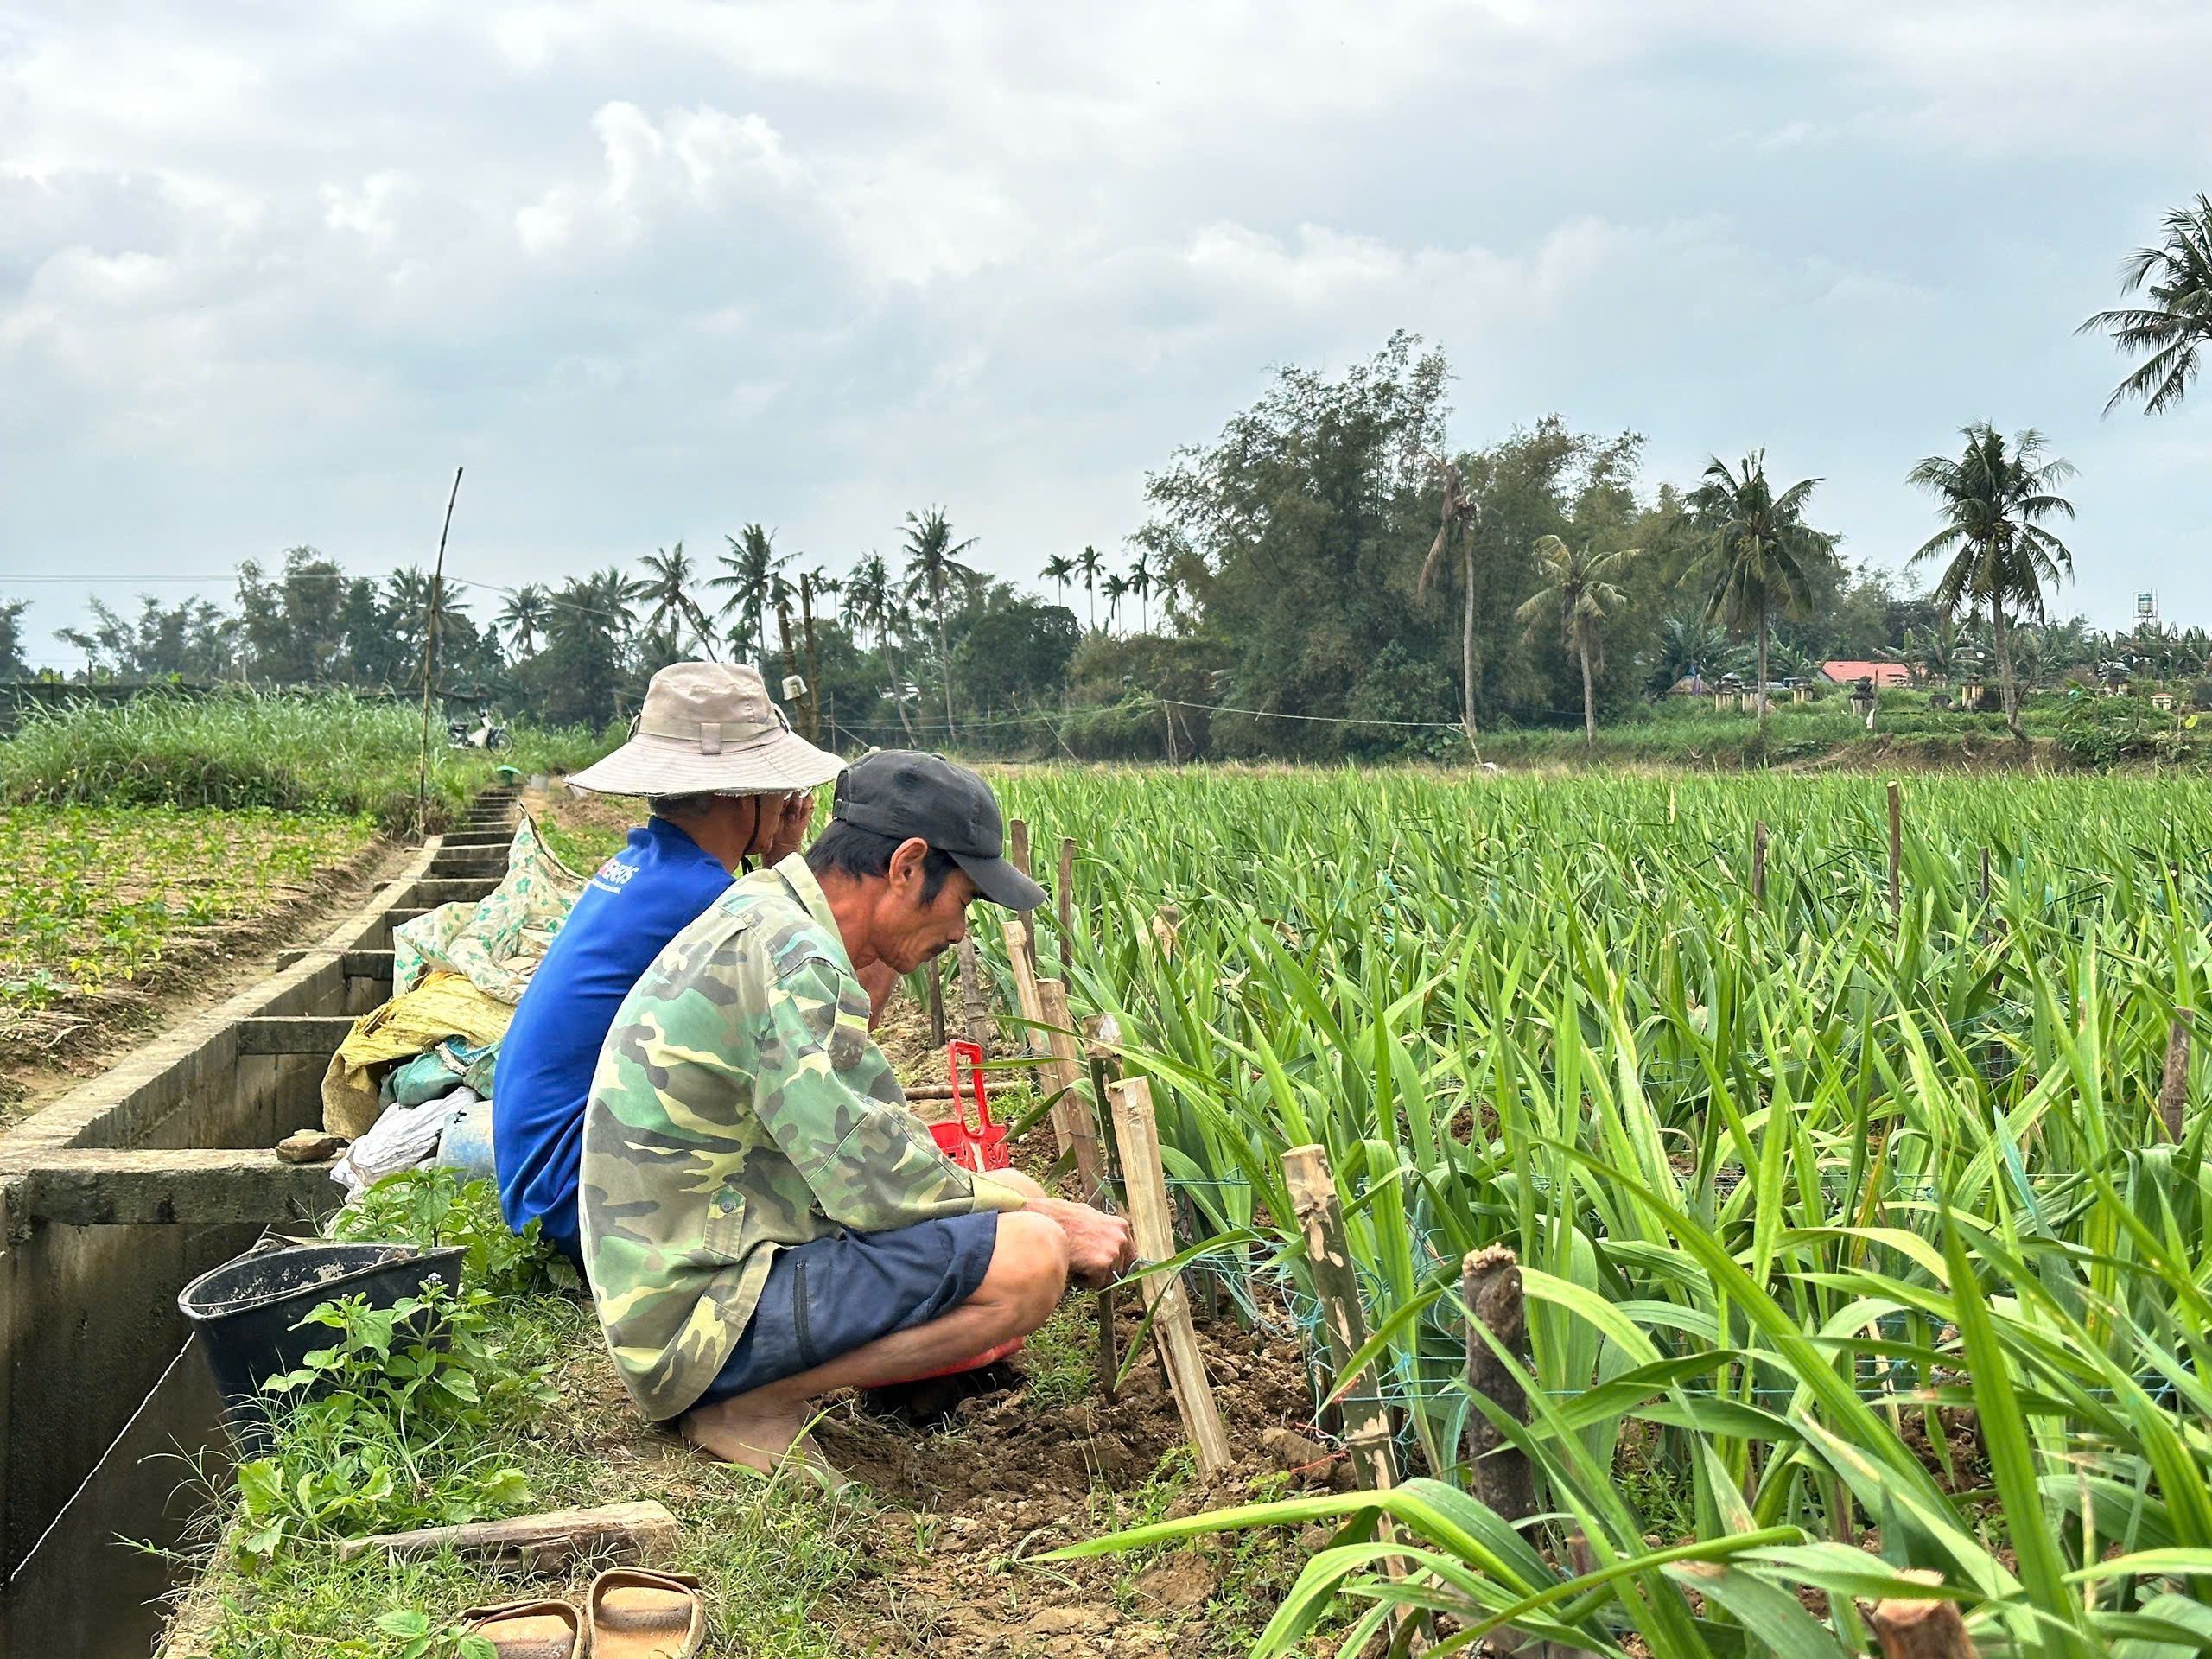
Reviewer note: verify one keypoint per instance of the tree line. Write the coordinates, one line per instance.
(1326, 577)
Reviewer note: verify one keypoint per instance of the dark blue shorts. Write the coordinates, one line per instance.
(836, 1295)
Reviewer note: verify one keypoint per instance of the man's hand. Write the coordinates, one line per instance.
(784, 819)
(1100, 1245)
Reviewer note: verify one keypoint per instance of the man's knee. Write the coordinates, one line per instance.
(1030, 1262)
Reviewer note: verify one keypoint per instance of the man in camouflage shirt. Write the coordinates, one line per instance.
(762, 1219)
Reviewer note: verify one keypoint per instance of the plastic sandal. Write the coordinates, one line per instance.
(540, 1628)
(636, 1613)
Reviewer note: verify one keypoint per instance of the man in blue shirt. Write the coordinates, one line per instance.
(725, 780)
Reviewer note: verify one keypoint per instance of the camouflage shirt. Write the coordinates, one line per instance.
(740, 1106)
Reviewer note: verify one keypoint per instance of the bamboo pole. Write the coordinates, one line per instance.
(1489, 1283)
(1138, 1133)
(1758, 863)
(1100, 1033)
(936, 1005)
(974, 1003)
(2173, 1087)
(1018, 853)
(1366, 1421)
(430, 667)
(1912, 1629)
(1896, 855)
(1066, 897)
(1066, 1074)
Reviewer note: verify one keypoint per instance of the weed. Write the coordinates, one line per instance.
(432, 1207)
(1059, 1358)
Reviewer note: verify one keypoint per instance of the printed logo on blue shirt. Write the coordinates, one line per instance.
(613, 876)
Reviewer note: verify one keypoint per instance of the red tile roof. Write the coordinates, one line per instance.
(1881, 673)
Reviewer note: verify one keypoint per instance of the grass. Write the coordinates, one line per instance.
(328, 754)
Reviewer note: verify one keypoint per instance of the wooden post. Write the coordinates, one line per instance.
(1016, 933)
(2173, 1089)
(1066, 897)
(1138, 1133)
(974, 1003)
(542, 1543)
(1366, 1421)
(1896, 855)
(1985, 875)
(1490, 1284)
(1911, 1629)
(1758, 863)
(1018, 852)
(936, 1005)
(1076, 1118)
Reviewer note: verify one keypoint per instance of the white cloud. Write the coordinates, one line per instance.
(654, 268)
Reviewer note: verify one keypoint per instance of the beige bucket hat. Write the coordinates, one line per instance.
(710, 727)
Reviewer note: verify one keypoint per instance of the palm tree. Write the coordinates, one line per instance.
(1694, 646)
(933, 567)
(525, 616)
(813, 584)
(1451, 528)
(1117, 588)
(667, 577)
(1059, 570)
(1139, 580)
(614, 598)
(752, 565)
(872, 604)
(1578, 588)
(2177, 276)
(1092, 567)
(1763, 549)
(1999, 555)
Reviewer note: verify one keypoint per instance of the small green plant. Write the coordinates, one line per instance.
(423, 1638)
(429, 1208)
(384, 1428)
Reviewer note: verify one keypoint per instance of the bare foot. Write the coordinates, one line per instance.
(744, 1430)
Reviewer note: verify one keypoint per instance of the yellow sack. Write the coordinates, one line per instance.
(444, 1005)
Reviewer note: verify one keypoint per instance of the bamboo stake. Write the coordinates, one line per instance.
(1066, 897)
(1100, 1033)
(430, 667)
(975, 1004)
(936, 1005)
(1366, 1421)
(1489, 1283)
(1018, 852)
(1911, 1629)
(2173, 1088)
(1076, 1116)
(1896, 855)
(1138, 1132)
(1758, 863)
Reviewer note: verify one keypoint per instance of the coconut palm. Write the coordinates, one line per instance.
(669, 577)
(872, 605)
(1141, 583)
(2176, 275)
(1577, 587)
(933, 568)
(1694, 645)
(1091, 566)
(751, 564)
(1117, 588)
(525, 616)
(1762, 549)
(1998, 556)
(1459, 510)
(1059, 570)
(613, 598)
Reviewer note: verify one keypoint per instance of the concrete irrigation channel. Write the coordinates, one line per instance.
(115, 1197)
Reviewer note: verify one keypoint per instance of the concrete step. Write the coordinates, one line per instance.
(88, 1186)
(293, 1033)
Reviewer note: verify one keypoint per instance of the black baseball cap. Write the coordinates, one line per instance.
(903, 793)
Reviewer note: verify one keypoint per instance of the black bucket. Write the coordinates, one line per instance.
(245, 1311)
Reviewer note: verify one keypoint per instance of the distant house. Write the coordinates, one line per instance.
(1690, 685)
(1883, 674)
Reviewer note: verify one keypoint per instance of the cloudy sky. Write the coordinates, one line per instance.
(651, 270)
